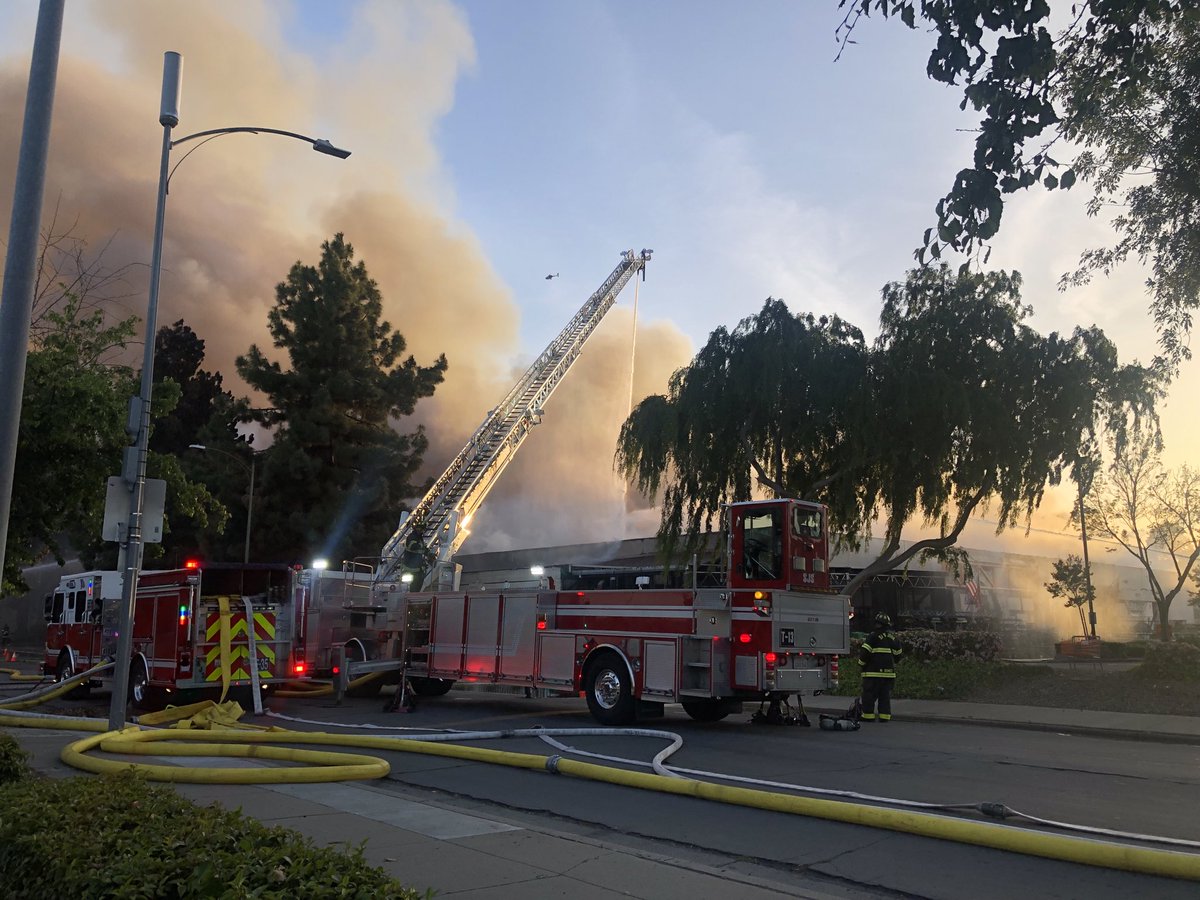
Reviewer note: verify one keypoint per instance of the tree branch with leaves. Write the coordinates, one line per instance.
(1115, 86)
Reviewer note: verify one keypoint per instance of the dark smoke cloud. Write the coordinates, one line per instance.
(243, 209)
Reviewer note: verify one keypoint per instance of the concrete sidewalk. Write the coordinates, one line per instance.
(469, 855)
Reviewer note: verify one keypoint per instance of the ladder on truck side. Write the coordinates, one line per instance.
(434, 529)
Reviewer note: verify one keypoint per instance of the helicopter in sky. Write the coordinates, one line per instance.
(555, 275)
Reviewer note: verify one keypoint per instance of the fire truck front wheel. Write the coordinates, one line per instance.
(66, 670)
(609, 690)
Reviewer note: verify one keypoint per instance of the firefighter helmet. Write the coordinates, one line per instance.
(883, 620)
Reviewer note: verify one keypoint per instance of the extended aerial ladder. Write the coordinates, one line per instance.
(429, 535)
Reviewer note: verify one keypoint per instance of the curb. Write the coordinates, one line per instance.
(1121, 734)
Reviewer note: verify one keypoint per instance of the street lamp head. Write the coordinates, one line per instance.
(323, 146)
(168, 110)
(197, 447)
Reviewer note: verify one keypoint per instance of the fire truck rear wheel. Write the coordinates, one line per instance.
(609, 690)
(430, 687)
(66, 670)
(705, 710)
(139, 686)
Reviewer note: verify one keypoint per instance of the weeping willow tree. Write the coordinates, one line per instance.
(769, 408)
(958, 406)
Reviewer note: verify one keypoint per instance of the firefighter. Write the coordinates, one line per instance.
(6, 653)
(878, 656)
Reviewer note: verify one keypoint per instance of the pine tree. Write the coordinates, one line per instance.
(338, 472)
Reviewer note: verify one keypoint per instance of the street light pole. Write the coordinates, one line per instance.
(134, 470)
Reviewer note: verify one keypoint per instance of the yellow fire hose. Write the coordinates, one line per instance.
(220, 739)
(321, 689)
(39, 696)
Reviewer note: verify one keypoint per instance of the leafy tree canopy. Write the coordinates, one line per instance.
(773, 400)
(1112, 91)
(338, 473)
(203, 491)
(72, 432)
(1153, 513)
(1072, 583)
(958, 404)
(178, 355)
(71, 440)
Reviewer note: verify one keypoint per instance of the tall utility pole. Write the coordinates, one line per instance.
(20, 265)
(134, 469)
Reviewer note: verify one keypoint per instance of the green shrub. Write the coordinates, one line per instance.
(13, 760)
(1187, 637)
(941, 679)
(1171, 662)
(120, 837)
(923, 643)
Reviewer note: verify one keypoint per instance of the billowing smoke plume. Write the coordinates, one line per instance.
(245, 208)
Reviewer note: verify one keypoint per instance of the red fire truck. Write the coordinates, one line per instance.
(775, 630)
(195, 629)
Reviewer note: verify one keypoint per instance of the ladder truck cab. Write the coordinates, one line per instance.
(774, 630)
(196, 630)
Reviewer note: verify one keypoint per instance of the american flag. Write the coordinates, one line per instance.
(973, 591)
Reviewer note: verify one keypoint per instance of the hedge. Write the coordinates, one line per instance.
(927, 644)
(117, 836)
(1175, 661)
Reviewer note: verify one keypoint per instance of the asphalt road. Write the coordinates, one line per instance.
(1140, 787)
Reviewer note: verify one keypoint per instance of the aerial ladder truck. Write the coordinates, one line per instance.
(339, 613)
(429, 535)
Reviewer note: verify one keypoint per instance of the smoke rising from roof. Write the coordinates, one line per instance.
(244, 208)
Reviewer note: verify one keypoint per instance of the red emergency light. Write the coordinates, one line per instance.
(298, 668)
(192, 564)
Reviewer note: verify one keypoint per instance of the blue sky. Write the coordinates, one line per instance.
(729, 143)
(495, 143)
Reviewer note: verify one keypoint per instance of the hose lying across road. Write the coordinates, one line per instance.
(207, 730)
